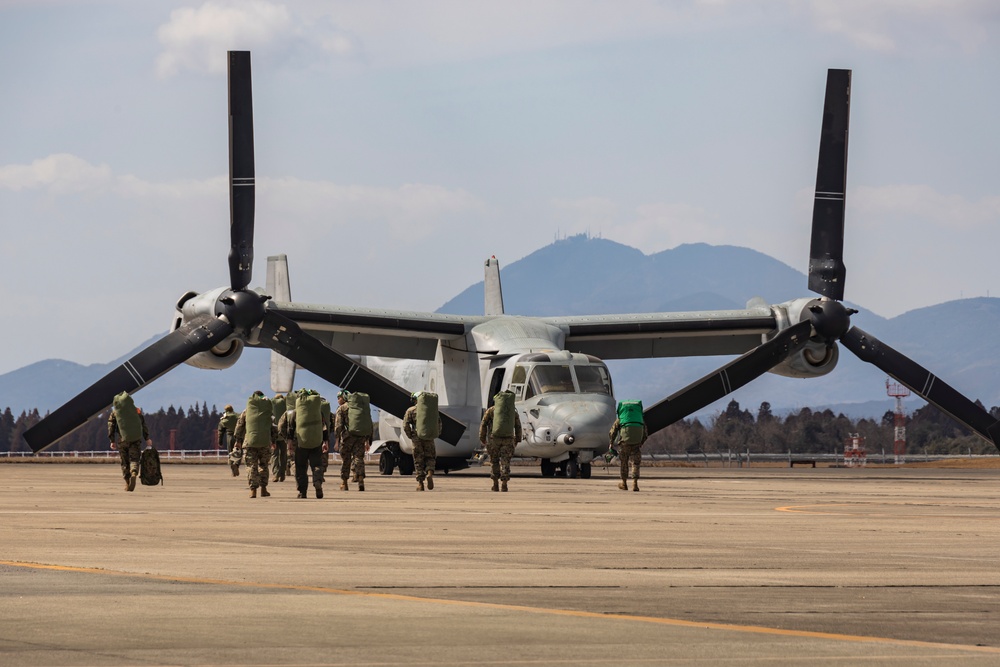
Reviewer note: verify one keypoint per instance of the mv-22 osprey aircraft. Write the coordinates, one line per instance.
(553, 364)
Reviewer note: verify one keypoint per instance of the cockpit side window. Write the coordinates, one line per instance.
(550, 379)
(593, 379)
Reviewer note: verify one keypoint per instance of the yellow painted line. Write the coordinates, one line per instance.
(674, 622)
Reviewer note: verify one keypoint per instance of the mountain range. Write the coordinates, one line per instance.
(581, 275)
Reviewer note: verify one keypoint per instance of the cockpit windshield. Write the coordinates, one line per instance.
(550, 379)
(593, 379)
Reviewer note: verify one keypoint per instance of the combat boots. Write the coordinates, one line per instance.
(635, 485)
(430, 483)
(503, 485)
(496, 485)
(420, 486)
(130, 485)
(361, 484)
(343, 486)
(319, 490)
(623, 485)
(263, 492)
(253, 493)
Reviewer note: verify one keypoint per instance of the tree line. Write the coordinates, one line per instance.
(191, 429)
(734, 429)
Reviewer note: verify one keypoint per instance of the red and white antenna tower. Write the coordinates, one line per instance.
(899, 392)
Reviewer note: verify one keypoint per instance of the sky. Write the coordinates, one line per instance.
(400, 143)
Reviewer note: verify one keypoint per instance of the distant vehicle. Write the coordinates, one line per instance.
(554, 365)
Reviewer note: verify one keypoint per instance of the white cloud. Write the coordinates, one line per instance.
(891, 25)
(922, 202)
(197, 38)
(60, 174)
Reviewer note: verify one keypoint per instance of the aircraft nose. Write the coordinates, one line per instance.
(586, 422)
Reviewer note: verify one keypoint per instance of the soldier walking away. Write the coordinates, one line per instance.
(127, 432)
(227, 429)
(279, 458)
(304, 424)
(499, 432)
(255, 433)
(422, 424)
(628, 434)
(353, 428)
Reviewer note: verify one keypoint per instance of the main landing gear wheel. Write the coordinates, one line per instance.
(386, 463)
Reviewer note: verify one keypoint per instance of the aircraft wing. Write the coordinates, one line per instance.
(379, 332)
(679, 334)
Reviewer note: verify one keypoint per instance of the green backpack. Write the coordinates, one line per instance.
(427, 415)
(278, 407)
(503, 415)
(631, 421)
(359, 415)
(129, 424)
(309, 420)
(258, 421)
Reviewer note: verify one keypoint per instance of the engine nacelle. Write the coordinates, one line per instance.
(223, 355)
(816, 358)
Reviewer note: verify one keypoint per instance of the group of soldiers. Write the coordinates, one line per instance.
(273, 437)
(291, 435)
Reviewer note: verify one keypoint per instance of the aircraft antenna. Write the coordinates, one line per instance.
(899, 392)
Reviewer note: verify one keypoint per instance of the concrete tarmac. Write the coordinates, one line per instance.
(754, 566)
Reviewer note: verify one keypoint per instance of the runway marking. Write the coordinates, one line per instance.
(674, 622)
(868, 509)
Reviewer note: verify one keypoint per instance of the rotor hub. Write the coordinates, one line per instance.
(830, 319)
(243, 309)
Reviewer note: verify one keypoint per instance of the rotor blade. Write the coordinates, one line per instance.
(241, 171)
(286, 337)
(174, 348)
(727, 379)
(923, 383)
(826, 250)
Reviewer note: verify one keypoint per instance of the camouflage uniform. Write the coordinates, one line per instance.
(629, 456)
(128, 452)
(257, 453)
(307, 456)
(279, 460)
(424, 453)
(499, 448)
(352, 450)
(227, 427)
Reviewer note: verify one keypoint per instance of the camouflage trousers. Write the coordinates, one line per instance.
(500, 451)
(257, 459)
(424, 457)
(630, 458)
(352, 457)
(128, 456)
(279, 461)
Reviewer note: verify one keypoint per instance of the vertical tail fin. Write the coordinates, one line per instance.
(280, 289)
(491, 288)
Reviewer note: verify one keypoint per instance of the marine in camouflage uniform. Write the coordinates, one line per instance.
(424, 453)
(227, 429)
(307, 456)
(279, 459)
(499, 448)
(352, 448)
(629, 456)
(130, 452)
(257, 451)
